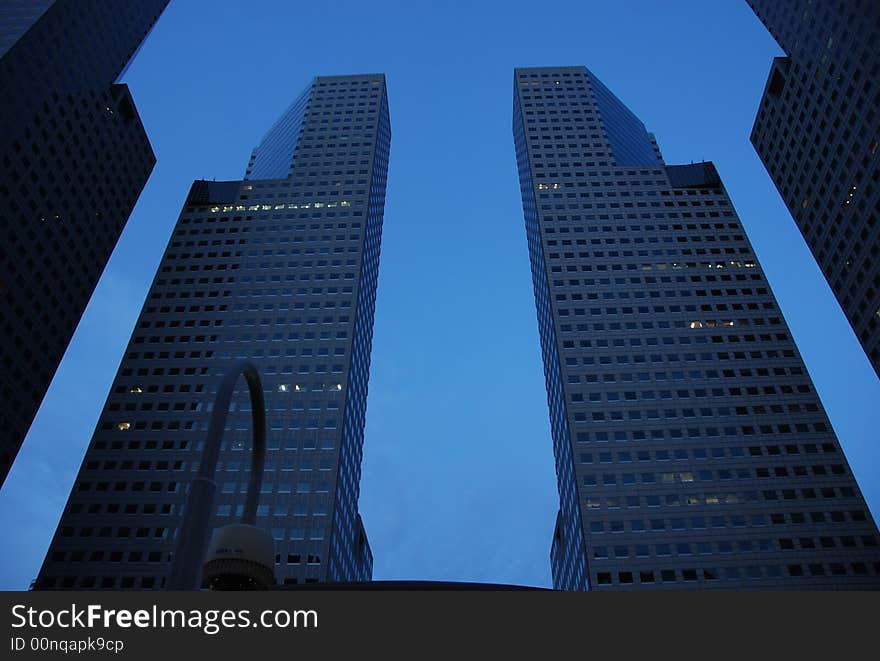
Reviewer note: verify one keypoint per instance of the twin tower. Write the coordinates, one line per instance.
(691, 448)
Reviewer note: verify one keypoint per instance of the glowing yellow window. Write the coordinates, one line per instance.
(123, 426)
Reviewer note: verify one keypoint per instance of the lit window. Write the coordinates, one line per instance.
(123, 426)
(136, 390)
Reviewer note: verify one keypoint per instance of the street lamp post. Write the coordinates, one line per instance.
(192, 536)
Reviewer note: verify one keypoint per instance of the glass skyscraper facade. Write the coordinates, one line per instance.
(75, 159)
(279, 268)
(818, 134)
(691, 448)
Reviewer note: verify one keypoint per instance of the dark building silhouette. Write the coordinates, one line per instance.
(818, 132)
(75, 159)
(279, 268)
(691, 448)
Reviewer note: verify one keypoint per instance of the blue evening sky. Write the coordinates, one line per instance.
(458, 479)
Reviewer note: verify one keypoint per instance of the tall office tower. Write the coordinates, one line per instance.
(817, 132)
(75, 159)
(692, 450)
(281, 269)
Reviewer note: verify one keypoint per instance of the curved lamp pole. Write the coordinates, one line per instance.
(192, 536)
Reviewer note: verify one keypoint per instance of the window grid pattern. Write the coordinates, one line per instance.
(75, 159)
(273, 158)
(281, 272)
(817, 132)
(701, 454)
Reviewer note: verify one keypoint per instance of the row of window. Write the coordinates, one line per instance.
(725, 547)
(722, 474)
(118, 532)
(680, 454)
(272, 443)
(720, 521)
(159, 556)
(751, 572)
(124, 582)
(765, 339)
(292, 424)
(574, 268)
(237, 322)
(677, 498)
(121, 485)
(698, 393)
(139, 509)
(551, 224)
(679, 375)
(626, 358)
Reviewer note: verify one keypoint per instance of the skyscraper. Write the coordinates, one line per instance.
(279, 268)
(691, 448)
(75, 159)
(817, 132)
